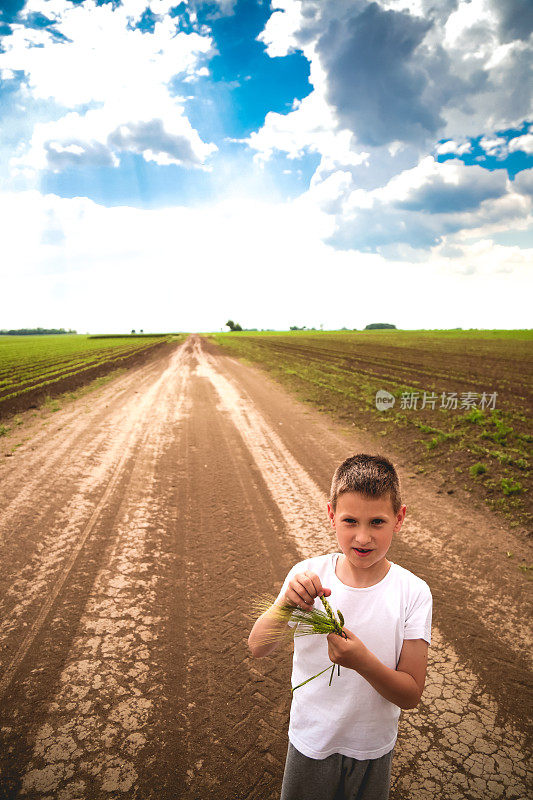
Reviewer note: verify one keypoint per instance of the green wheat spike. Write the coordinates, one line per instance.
(331, 615)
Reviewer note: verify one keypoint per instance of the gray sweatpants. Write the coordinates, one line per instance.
(336, 777)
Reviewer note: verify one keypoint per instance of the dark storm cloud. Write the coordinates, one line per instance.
(141, 136)
(383, 84)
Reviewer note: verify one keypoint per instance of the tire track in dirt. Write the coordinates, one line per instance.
(92, 727)
(231, 522)
(69, 521)
(66, 456)
(52, 485)
(291, 487)
(460, 759)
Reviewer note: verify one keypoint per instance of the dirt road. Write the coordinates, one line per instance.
(137, 523)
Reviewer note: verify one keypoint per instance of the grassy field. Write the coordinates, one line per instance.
(33, 365)
(462, 405)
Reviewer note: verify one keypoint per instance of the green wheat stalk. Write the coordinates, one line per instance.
(309, 622)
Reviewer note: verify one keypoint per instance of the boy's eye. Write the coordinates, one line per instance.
(377, 521)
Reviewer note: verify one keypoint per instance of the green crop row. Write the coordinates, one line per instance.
(28, 363)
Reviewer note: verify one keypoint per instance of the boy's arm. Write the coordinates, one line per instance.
(264, 636)
(402, 686)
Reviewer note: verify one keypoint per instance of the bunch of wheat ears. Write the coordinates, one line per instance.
(308, 622)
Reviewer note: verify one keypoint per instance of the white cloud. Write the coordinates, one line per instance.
(103, 61)
(97, 136)
(310, 127)
(278, 33)
(446, 187)
(522, 143)
(486, 260)
(451, 146)
(495, 146)
(500, 147)
(123, 76)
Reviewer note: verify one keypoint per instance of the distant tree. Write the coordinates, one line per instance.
(133, 330)
(233, 326)
(379, 325)
(142, 330)
(296, 328)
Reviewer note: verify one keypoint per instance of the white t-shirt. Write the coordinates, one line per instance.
(350, 717)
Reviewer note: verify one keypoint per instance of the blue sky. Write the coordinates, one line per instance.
(168, 165)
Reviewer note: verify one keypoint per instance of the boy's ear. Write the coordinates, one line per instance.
(400, 516)
(331, 514)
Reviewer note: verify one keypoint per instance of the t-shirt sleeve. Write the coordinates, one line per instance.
(418, 619)
(300, 567)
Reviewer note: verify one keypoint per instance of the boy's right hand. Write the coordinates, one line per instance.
(302, 590)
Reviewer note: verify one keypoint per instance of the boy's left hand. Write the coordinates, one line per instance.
(347, 652)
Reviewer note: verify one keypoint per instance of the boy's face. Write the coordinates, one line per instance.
(364, 528)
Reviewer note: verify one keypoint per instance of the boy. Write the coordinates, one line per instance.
(341, 737)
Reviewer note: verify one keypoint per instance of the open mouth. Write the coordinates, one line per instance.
(361, 551)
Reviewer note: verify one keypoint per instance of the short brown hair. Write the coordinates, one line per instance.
(371, 476)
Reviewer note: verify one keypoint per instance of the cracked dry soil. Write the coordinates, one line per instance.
(137, 525)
